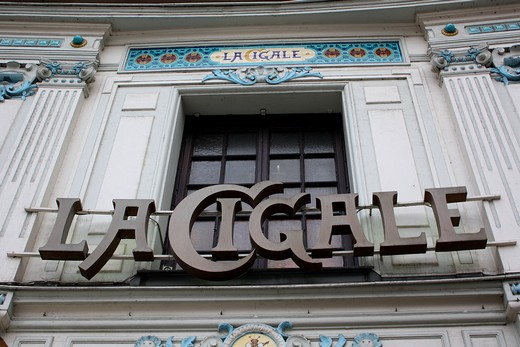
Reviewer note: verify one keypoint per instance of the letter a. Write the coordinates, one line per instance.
(122, 228)
(340, 225)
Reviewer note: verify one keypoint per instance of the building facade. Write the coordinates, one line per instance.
(289, 173)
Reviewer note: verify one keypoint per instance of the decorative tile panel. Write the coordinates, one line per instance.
(29, 42)
(308, 54)
(492, 28)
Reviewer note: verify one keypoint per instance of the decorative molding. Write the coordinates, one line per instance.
(16, 80)
(506, 62)
(326, 341)
(366, 340)
(512, 300)
(149, 341)
(22, 341)
(30, 42)
(85, 71)
(154, 341)
(449, 30)
(259, 335)
(312, 54)
(78, 41)
(270, 75)
(492, 28)
(481, 56)
(67, 74)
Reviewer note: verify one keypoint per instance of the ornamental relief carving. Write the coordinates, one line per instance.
(18, 80)
(259, 335)
(506, 63)
(503, 62)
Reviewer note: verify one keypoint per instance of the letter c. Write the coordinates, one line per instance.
(185, 215)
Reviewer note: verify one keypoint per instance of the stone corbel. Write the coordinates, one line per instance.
(67, 74)
(512, 300)
(6, 310)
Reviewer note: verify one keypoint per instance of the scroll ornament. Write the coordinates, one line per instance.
(270, 75)
(506, 62)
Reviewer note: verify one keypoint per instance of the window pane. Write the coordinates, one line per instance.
(241, 238)
(313, 229)
(288, 193)
(240, 171)
(318, 142)
(211, 208)
(284, 143)
(320, 170)
(319, 191)
(284, 170)
(208, 144)
(205, 172)
(202, 235)
(240, 144)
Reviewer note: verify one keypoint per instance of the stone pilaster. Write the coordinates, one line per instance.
(470, 74)
(492, 150)
(39, 149)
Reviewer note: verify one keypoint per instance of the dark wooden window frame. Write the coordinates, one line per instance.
(263, 126)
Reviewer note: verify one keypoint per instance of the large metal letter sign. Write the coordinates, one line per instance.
(338, 217)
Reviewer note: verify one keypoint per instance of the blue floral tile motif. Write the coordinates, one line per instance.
(29, 42)
(492, 28)
(308, 54)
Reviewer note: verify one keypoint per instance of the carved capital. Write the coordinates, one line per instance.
(481, 57)
(73, 74)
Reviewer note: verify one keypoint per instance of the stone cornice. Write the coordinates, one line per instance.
(434, 24)
(139, 16)
(32, 42)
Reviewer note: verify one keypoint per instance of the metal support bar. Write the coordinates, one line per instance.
(487, 198)
(171, 257)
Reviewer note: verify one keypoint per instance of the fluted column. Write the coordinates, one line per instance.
(35, 159)
(492, 150)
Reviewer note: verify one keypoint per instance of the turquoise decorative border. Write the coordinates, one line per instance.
(29, 42)
(303, 54)
(492, 28)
